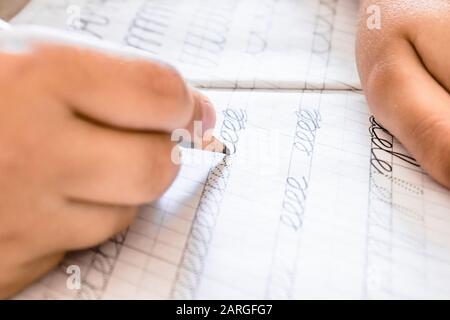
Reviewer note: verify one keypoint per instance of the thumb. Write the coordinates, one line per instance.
(204, 115)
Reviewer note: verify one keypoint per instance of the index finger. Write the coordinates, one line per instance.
(130, 94)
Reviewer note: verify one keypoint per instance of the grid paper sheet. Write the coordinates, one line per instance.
(272, 44)
(333, 207)
(318, 200)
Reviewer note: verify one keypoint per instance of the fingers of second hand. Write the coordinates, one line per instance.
(419, 118)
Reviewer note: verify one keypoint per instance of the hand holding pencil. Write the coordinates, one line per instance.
(86, 139)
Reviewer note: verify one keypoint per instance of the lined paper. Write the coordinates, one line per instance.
(272, 44)
(318, 200)
(333, 207)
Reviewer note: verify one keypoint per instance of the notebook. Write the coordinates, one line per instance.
(224, 44)
(318, 200)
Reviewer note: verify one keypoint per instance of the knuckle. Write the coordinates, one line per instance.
(379, 79)
(386, 77)
(172, 82)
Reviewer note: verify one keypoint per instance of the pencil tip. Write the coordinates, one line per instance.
(226, 150)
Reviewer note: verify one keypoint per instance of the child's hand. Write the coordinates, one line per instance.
(84, 140)
(405, 71)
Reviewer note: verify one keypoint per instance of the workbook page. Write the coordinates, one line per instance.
(316, 201)
(289, 44)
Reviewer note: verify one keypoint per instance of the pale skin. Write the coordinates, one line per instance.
(85, 137)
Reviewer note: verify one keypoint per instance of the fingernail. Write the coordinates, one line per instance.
(208, 114)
